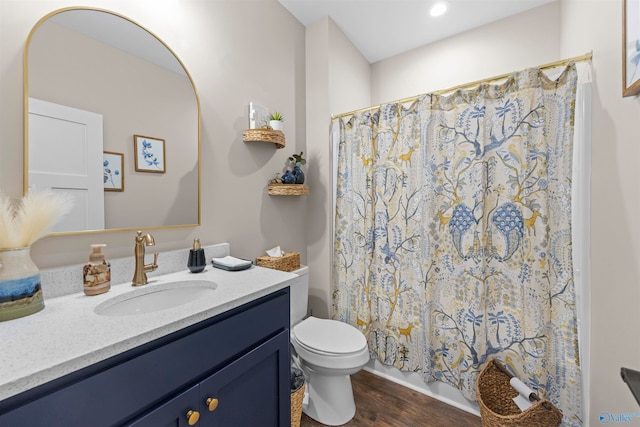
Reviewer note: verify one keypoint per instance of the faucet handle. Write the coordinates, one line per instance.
(155, 258)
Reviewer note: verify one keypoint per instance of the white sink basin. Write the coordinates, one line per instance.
(156, 298)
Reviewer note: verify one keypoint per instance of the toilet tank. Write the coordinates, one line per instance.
(299, 294)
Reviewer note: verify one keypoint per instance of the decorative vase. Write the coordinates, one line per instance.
(298, 175)
(288, 178)
(276, 124)
(20, 290)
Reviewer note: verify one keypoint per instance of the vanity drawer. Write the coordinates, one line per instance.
(123, 387)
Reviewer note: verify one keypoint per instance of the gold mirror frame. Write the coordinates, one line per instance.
(26, 121)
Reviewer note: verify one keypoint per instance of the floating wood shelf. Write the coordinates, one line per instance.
(288, 189)
(265, 135)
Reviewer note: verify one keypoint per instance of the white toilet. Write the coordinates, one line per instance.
(329, 352)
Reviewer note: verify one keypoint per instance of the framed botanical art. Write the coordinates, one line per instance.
(149, 154)
(113, 165)
(631, 47)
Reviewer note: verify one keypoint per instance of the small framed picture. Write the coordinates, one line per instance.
(631, 48)
(113, 165)
(258, 116)
(149, 154)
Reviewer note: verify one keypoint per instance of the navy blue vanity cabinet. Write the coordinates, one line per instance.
(245, 392)
(241, 394)
(230, 370)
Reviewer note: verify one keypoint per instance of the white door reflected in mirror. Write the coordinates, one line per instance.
(65, 155)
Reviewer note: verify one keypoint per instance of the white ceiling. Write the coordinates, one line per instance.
(384, 28)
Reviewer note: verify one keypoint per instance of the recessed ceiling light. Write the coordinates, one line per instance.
(438, 9)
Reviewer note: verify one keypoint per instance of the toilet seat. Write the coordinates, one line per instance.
(329, 337)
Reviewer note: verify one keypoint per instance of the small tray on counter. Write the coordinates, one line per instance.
(241, 267)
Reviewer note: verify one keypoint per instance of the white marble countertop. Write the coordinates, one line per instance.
(68, 335)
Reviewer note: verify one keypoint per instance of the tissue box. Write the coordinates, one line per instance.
(288, 262)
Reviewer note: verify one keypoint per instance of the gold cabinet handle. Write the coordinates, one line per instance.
(193, 417)
(212, 404)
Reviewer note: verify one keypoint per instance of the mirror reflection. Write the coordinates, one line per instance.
(113, 119)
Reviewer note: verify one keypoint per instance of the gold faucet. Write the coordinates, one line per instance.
(140, 273)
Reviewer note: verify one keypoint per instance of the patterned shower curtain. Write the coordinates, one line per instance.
(453, 234)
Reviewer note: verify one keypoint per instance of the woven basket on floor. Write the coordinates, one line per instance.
(497, 409)
(288, 262)
(296, 406)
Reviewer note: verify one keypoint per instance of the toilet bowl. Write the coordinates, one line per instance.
(329, 352)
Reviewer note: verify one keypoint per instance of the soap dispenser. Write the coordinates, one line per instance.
(196, 262)
(97, 272)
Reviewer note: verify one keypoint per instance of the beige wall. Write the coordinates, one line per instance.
(338, 79)
(495, 49)
(615, 270)
(131, 94)
(236, 52)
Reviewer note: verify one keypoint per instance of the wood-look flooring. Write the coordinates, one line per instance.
(383, 403)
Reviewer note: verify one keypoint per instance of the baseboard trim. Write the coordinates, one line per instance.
(463, 404)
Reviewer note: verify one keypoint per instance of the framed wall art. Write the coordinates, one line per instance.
(113, 165)
(631, 48)
(258, 116)
(149, 154)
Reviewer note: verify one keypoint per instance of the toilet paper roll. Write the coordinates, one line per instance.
(525, 395)
(522, 388)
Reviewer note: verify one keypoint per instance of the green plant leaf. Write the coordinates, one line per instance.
(297, 159)
(276, 115)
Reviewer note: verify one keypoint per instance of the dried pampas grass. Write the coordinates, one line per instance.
(23, 223)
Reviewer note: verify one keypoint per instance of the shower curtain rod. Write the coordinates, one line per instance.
(562, 62)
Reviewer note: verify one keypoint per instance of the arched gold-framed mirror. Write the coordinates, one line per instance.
(92, 74)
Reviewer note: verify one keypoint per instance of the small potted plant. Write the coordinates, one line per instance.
(276, 121)
(297, 160)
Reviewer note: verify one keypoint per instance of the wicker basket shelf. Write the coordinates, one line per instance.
(288, 189)
(264, 135)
